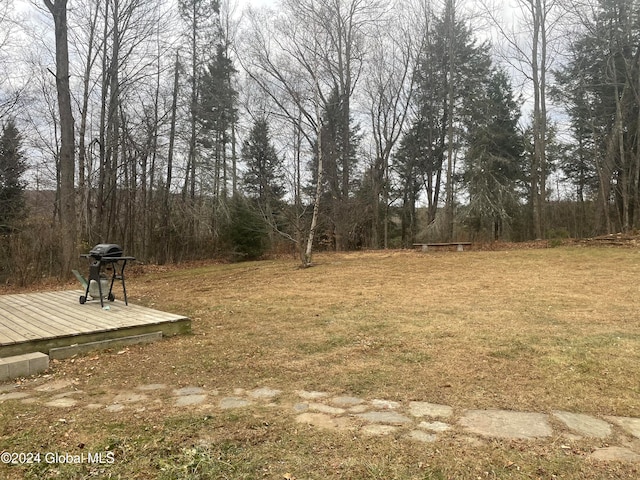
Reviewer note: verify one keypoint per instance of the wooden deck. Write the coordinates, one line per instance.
(38, 322)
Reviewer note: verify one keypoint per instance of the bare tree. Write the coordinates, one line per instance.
(58, 9)
(388, 88)
(532, 57)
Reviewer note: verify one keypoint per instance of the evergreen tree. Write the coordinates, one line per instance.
(246, 231)
(451, 75)
(217, 113)
(412, 169)
(339, 147)
(493, 163)
(599, 86)
(263, 178)
(12, 167)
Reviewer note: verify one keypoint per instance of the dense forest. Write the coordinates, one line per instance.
(185, 129)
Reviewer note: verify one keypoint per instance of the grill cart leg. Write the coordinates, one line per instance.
(94, 274)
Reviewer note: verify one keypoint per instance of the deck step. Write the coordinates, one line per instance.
(23, 365)
(71, 350)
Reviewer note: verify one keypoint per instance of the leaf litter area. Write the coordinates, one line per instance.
(535, 330)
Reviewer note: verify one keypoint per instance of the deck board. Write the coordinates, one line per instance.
(39, 321)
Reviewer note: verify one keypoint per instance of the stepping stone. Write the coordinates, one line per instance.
(311, 395)
(63, 402)
(129, 398)
(615, 454)
(13, 396)
(584, 425)
(628, 424)
(321, 407)
(233, 402)
(301, 407)
(95, 406)
(264, 393)
(506, 424)
(114, 408)
(186, 400)
(322, 420)
(151, 387)
(385, 404)
(425, 409)
(421, 436)
(53, 386)
(384, 417)
(359, 408)
(188, 391)
(435, 426)
(378, 430)
(346, 402)
(67, 394)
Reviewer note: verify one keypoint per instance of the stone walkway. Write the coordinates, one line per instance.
(412, 420)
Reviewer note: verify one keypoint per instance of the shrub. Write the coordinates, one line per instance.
(246, 232)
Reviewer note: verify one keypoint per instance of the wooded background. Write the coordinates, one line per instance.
(185, 129)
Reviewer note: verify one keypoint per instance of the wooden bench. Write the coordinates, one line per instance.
(459, 245)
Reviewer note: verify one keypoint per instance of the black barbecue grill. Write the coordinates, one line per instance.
(105, 258)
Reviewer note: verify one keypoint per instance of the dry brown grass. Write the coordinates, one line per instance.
(531, 330)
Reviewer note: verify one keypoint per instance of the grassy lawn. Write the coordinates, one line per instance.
(527, 330)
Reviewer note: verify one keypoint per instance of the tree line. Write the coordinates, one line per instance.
(193, 128)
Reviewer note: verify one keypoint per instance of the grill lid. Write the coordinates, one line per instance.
(106, 250)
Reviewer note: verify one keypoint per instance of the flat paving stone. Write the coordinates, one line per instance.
(53, 386)
(346, 401)
(359, 408)
(385, 404)
(151, 387)
(264, 393)
(13, 396)
(233, 402)
(421, 436)
(67, 394)
(425, 409)
(129, 397)
(322, 408)
(384, 417)
(435, 426)
(615, 454)
(313, 395)
(188, 391)
(584, 425)
(64, 402)
(628, 424)
(186, 400)
(116, 408)
(322, 420)
(378, 430)
(506, 424)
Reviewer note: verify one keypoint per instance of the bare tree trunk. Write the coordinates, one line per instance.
(58, 9)
(166, 210)
(83, 163)
(306, 259)
(451, 7)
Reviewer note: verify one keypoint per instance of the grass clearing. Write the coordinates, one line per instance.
(528, 330)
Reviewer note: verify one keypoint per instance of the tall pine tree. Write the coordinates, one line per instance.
(12, 167)
(452, 72)
(263, 178)
(493, 163)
